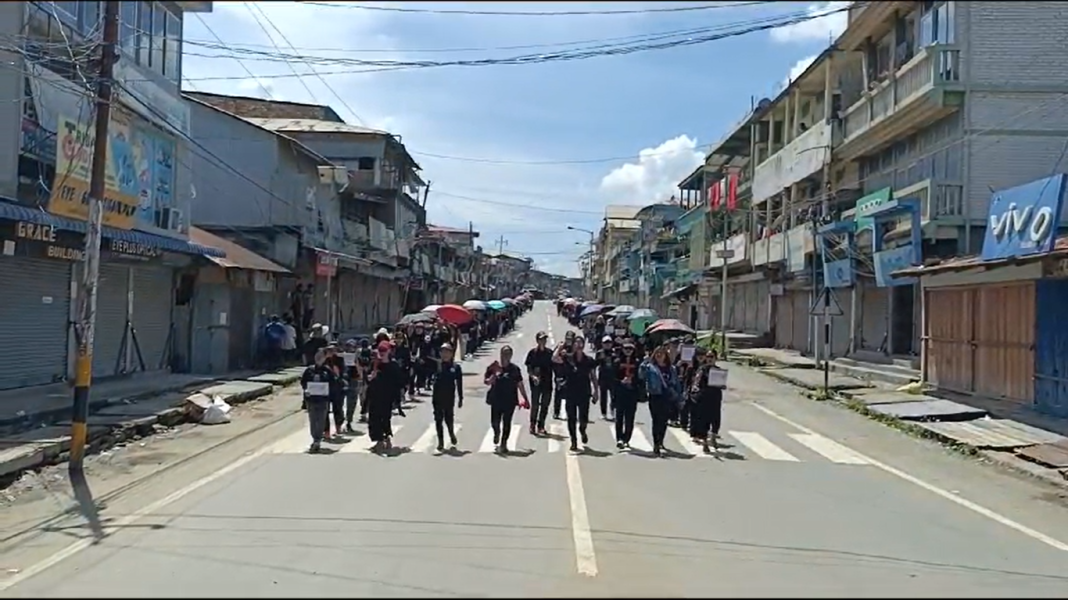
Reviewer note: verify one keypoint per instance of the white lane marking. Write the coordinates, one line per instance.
(638, 441)
(134, 517)
(427, 441)
(686, 441)
(555, 445)
(487, 443)
(934, 489)
(585, 558)
(514, 435)
(762, 446)
(828, 448)
(363, 443)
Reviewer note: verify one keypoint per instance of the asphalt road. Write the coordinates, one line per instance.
(807, 500)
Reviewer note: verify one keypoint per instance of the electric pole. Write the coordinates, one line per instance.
(83, 328)
(501, 243)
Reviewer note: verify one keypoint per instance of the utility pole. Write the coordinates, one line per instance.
(83, 329)
(426, 192)
(501, 243)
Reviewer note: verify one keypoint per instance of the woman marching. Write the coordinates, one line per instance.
(505, 381)
(706, 400)
(664, 393)
(385, 388)
(317, 381)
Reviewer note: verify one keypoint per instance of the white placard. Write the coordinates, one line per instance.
(686, 353)
(717, 378)
(318, 388)
(350, 359)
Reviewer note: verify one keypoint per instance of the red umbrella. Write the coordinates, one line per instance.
(669, 326)
(454, 314)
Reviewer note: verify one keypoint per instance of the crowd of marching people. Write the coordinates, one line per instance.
(621, 368)
(365, 380)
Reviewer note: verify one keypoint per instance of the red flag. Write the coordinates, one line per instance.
(713, 192)
(732, 191)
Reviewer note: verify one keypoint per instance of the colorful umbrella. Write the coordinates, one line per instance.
(624, 309)
(669, 326)
(642, 313)
(456, 315)
(509, 301)
(475, 305)
(432, 308)
(496, 305)
(416, 318)
(592, 309)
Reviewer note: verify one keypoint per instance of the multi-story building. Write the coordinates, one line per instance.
(618, 231)
(45, 158)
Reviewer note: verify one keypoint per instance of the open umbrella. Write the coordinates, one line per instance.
(416, 318)
(431, 308)
(623, 309)
(592, 309)
(475, 305)
(509, 301)
(640, 320)
(456, 315)
(669, 326)
(642, 313)
(496, 305)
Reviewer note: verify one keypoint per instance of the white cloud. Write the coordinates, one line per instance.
(656, 174)
(798, 68)
(822, 29)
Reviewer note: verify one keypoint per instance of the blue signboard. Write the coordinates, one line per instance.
(838, 273)
(1023, 220)
(888, 261)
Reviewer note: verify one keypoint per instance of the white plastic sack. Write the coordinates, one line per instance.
(217, 413)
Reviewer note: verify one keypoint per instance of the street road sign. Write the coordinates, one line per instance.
(826, 305)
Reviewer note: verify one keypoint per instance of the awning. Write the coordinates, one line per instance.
(679, 290)
(18, 212)
(236, 256)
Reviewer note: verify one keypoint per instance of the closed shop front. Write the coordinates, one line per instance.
(792, 319)
(1051, 347)
(873, 322)
(349, 304)
(152, 315)
(34, 319)
(112, 298)
(980, 340)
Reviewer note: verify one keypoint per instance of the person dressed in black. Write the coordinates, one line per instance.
(316, 383)
(505, 381)
(337, 388)
(706, 401)
(447, 395)
(539, 365)
(364, 359)
(402, 355)
(385, 385)
(625, 393)
(558, 372)
(580, 383)
(605, 358)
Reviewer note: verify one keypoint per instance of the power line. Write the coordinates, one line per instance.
(510, 13)
(247, 70)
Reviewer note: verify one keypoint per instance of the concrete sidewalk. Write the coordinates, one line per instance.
(118, 410)
(1019, 438)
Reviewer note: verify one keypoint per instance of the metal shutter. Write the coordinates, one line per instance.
(152, 300)
(111, 300)
(801, 301)
(34, 321)
(763, 304)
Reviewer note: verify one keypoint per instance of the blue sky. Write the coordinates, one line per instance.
(639, 122)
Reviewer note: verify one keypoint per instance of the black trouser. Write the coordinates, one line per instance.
(444, 413)
(659, 411)
(706, 414)
(541, 395)
(337, 406)
(625, 403)
(605, 388)
(578, 414)
(380, 416)
(557, 399)
(501, 420)
(420, 374)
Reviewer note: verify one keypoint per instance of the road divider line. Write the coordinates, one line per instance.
(585, 557)
(828, 448)
(934, 489)
(762, 446)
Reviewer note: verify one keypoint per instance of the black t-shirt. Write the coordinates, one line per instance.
(605, 358)
(505, 390)
(576, 373)
(540, 363)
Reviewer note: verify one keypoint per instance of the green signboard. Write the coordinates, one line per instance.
(869, 204)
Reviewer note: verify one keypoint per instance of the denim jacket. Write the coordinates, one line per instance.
(654, 380)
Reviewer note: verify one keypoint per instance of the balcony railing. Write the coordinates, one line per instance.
(931, 67)
(803, 156)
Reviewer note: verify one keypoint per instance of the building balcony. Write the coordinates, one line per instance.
(922, 91)
(871, 20)
(805, 155)
(769, 250)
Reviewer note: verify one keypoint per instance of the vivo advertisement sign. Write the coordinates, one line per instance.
(838, 273)
(1023, 220)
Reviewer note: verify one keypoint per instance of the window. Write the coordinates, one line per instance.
(67, 11)
(365, 163)
(128, 28)
(144, 34)
(944, 16)
(90, 18)
(172, 50)
(159, 37)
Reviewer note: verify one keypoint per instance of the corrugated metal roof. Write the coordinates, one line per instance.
(992, 433)
(312, 125)
(963, 263)
(619, 211)
(237, 256)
